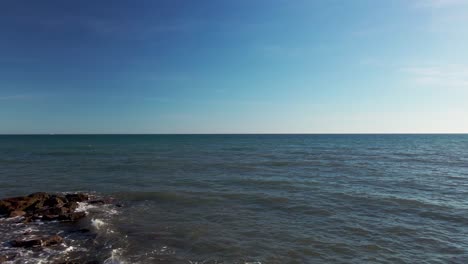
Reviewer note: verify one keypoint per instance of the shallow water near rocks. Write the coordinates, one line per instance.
(249, 198)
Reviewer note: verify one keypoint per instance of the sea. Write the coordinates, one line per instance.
(246, 199)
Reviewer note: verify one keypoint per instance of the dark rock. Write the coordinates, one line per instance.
(26, 243)
(77, 197)
(48, 207)
(75, 262)
(27, 219)
(56, 211)
(39, 196)
(37, 242)
(62, 214)
(72, 216)
(49, 217)
(53, 240)
(102, 201)
(17, 213)
(97, 202)
(15, 204)
(25, 203)
(71, 206)
(7, 257)
(55, 201)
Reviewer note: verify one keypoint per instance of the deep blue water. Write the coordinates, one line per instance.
(258, 198)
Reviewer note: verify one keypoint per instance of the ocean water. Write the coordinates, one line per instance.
(250, 198)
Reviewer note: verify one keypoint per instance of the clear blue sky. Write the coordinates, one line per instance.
(247, 66)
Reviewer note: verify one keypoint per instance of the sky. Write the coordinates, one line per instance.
(244, 66)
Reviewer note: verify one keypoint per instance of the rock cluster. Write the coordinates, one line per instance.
(44, 206)
(41, 207)
(37, 242)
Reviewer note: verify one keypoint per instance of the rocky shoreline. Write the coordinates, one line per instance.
(43, 207)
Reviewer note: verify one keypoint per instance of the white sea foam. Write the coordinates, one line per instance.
(85, 207)
(98, 223)
(115, 258)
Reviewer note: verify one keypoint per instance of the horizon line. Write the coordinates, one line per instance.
(168, 134)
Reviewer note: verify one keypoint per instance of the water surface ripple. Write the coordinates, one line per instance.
(260, 198)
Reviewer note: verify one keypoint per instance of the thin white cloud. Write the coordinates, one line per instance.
(450, 76)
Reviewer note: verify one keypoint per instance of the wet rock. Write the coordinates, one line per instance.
(102, 201)
(55, 201)
(7, 257)
(97, 202)
(77, 197)
(17, 213)
(25, 203)
(48, 217)
(26, 243)
(71, 206)
(37, 242)
(39, 196)
(27, 219)
(73, 262)
(71, 216)
(15, 204)
(43, 206)
(53, 240)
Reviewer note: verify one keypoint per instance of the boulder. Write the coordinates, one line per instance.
(52, 240)
(24, 203)
(77, 197)
(101, 201)
(55, 201)
(71, 216)
(26, 243)
(37, 242)
(7, 257)
(44, 206)
(17, 213)
(39, 196)
(71, 206)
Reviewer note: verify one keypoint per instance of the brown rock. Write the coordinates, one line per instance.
(55, 201)
(39, 196)
(77, 197)
(49, 217)
(26, 243)
(8, 257)
(71, 206)
(45, 206)
(72, 216)
(27, 219)
(73, 262)
(97, 202)
(102, 201)
(24, 203)
(37, 242)
(53, 240)
(17, 213)
(12, 204)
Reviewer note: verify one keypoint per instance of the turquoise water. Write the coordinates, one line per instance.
(257, 198)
